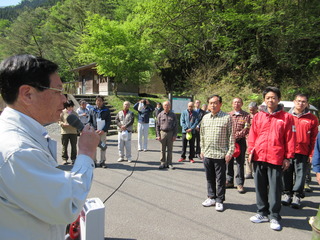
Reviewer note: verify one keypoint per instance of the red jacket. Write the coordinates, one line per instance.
(272, 137)
(306, 133)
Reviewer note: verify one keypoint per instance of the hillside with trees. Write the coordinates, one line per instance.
(195, 46)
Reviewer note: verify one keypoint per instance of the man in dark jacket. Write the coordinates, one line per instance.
(144, 109)
(188, 122)
(200, 113)
(100, 119)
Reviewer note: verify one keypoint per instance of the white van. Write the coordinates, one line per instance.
(289, 104)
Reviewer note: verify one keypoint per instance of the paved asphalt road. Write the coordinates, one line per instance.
(156, 204)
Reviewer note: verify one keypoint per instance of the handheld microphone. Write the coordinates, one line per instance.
(75, 122)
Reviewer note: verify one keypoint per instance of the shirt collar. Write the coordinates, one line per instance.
(22, 121)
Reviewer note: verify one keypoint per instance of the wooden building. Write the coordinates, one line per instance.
(90, 82)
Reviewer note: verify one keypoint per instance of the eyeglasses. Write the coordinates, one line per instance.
(302, 102)
(61, 91)
(57, 90)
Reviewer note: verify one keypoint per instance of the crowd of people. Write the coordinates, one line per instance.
(268, 144)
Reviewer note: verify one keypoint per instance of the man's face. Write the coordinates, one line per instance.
(190, 106)
(300, 103)
(166, 106)
(214, 105)
(99, 102)
(126, 106)
(253, 110)
(271, 100)
(83, 105)
(70, 109)
(197, 104)
(50, 102)
(237, 104)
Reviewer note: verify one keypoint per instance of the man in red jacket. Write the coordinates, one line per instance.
(306, 133)
(271, 145)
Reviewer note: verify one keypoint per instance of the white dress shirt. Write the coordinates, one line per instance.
(37, 200)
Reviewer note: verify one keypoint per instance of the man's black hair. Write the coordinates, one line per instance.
(68, 103)
(21, 70)
(301, 95)
(215, 95)
(271, 89)
(101, 97)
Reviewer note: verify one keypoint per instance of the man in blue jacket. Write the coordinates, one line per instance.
(100, 119)
(316, 158)
(188, 122)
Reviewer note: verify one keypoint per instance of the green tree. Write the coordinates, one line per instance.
(117, 50)
(24, 35)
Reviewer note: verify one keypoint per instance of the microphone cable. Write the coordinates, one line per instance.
(134, 166)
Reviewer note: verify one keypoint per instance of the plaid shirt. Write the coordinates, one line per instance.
(216, 135)
(241, 124)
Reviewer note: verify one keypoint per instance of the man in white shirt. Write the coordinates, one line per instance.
(37, 200)
(83, 112)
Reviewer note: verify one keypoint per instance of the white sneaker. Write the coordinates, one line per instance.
(286, 199)
(219, 207)
(209, 202)
(120, 159)
(275, 225)
(129, 160)
(259, 218)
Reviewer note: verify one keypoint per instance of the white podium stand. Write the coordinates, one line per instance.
(92, 220)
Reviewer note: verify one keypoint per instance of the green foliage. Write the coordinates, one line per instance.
(12, 12)
(192, 45)
(117, 50)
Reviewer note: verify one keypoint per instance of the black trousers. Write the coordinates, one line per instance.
(184, 146)
(216, 178)
(295, 176)
(197, 141)
(65, 138)
(268, 182)
(240, 164)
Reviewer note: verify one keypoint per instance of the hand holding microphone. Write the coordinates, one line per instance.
(75, 122)
(88, 141)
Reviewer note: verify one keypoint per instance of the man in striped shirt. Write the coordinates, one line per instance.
(217, 146)
(241, 124)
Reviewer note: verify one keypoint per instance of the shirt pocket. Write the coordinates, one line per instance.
(219, 128)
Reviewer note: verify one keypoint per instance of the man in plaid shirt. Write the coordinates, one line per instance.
(217, 146)
(241, 125)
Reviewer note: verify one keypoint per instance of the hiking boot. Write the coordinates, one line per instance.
(162, 166)
(307, 188)
(240, 189)
(229, 185)
(248, 176)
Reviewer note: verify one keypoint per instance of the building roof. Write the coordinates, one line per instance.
(91, 65)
